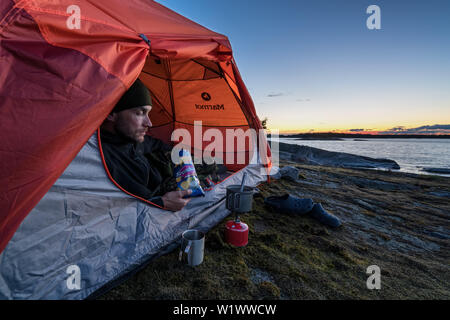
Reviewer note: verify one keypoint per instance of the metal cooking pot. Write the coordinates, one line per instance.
(239, 201)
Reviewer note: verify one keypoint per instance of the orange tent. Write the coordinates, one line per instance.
(63, 68)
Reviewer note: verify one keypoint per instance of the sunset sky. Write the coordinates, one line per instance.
(315, 66)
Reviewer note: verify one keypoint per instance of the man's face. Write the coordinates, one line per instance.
(133, 123)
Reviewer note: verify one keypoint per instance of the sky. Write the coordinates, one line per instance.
(315, 66)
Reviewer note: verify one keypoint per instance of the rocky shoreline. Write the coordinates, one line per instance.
(315, 156)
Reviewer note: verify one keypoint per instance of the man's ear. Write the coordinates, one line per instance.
(112, 116)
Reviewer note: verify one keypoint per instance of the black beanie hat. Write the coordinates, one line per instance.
(137, 96)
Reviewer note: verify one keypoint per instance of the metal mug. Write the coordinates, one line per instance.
(193, 245)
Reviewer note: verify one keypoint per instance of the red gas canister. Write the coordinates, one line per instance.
(236, 233)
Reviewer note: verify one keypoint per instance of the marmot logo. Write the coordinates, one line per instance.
(206, 96)
(210, 106)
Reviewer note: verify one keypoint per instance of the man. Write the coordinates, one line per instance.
(136, 161)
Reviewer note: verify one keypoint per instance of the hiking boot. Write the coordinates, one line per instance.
(289, 204)
(319, 213)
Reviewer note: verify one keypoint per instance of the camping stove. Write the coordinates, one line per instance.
(239, 200)
(236, 233)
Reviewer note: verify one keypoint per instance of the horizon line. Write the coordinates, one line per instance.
(373, 133)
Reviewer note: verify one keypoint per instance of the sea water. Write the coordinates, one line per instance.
(411, 154)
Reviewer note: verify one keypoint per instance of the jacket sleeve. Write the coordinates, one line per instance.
(157, 200)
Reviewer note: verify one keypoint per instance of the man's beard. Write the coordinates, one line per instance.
(121, 133)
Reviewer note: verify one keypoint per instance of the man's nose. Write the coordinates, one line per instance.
(147, 122)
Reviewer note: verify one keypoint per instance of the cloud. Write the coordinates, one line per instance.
(401, 128)
(357, 130)
(434, 129)
(279, 94)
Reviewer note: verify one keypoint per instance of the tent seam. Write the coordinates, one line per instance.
(10, 16)
(44, 33)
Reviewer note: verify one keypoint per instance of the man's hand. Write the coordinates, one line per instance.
(174, 201)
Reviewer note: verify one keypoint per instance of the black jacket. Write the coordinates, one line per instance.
(137, 167)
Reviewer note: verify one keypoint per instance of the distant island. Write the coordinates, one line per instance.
(340, 136)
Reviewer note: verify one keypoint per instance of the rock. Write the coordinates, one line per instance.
(259, 276)
(420, 244)
(320, 138)
(290, 173)
(287, 172)
(437, 170)
(437, 234)
(315, 156)
(367, 206)
(285, 155)
(443, 194)
(380, 185)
